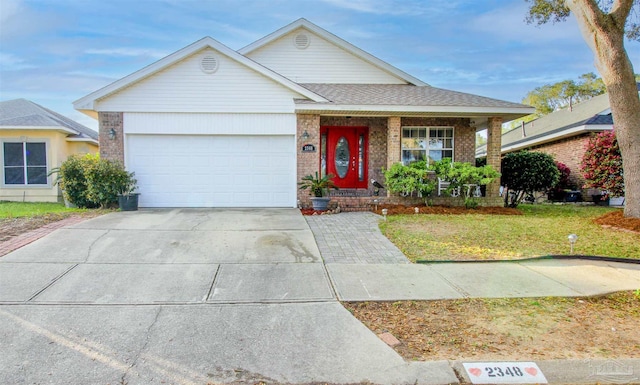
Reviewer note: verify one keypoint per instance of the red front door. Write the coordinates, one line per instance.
(347, 156)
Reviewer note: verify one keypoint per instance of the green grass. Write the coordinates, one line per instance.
(32, 209)
(542, 230)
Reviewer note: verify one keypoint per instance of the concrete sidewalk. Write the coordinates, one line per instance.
(533, 278)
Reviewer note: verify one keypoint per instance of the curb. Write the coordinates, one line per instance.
(545, 257)
(575, 371)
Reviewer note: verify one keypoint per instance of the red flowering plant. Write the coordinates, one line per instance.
(602, 164)
(557, 192)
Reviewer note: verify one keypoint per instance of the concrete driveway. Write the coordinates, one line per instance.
(186, 296)
(176, 256)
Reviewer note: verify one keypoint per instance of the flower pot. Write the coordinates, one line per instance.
(320, 203)
(128, 202)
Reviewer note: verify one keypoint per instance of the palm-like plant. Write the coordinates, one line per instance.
(318, 186)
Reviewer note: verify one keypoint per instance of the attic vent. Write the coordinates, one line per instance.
(209, 64)
(301, 41)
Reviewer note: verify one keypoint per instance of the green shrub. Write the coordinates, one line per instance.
(526, 172)
(409, 180)
(105, 180)
(88, 181)
(72, 180)
(459, 174)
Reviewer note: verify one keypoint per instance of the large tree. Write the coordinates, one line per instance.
(551, 97)
(604, 25)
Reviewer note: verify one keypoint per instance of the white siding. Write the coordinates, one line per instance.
(184, 87)
(209, 124)
(320, 62)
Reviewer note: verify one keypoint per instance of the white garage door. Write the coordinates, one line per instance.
(213, 170)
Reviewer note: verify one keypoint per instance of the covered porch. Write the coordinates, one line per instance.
(364, 128)
(375, 143)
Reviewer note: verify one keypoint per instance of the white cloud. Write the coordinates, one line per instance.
(10, 62)
(387, 7)
(156, 54)
(8, 10)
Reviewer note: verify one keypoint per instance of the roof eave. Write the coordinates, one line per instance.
(304, 23)
(88, 140)
(61, 129)
(543, 139)
(445, 110)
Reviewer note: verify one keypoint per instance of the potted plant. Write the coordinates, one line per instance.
(319, 189)
(128, 198)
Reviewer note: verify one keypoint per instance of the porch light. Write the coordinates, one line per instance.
(305, 135)
(112, 134)
(572, 240)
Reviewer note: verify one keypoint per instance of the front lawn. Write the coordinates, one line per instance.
(31, 209)
(509, 328)
(542, 230)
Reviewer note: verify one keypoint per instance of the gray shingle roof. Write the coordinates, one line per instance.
(24, 113)
(585, 113)
(558, 124)
(401, 95)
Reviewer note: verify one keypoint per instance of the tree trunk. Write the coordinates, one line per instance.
(605, 36)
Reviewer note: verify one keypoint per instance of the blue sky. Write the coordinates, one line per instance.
(56, 51)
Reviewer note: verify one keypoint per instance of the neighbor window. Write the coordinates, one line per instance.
(25, 163)
(426, 143)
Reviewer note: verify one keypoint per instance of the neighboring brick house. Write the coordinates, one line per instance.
(562, 134)
(208, 126)
(33, 141)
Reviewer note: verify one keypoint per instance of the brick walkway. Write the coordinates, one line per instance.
(24, 239)
(353, 237)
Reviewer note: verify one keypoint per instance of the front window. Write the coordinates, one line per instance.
(430, 144)
(25, 163)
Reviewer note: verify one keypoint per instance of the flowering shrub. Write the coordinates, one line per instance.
(602, 164)
(565, 172)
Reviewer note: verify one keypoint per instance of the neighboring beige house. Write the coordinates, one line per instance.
(208, 126)
(562, 134)
(33, 140)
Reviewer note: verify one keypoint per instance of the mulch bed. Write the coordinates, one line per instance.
(616, 219)
(423, 209)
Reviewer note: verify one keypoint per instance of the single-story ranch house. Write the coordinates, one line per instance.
(34, 140)
(562, 134)
(208, 126)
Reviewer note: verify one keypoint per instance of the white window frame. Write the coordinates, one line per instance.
(426, 149)
(24, 143)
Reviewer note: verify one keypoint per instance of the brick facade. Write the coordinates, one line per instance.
(385, 135)
(394, 141)
(112, 149)
(494, 153)
(570, 152)
(308, 162)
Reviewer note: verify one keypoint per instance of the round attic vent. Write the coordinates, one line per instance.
(209, 64)
(301, 41)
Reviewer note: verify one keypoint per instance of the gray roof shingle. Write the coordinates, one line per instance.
(24, 113)
(400, 95)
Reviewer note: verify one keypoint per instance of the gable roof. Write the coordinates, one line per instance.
(87, 103)
(306, 24)
(25, 114)
(589, 116)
